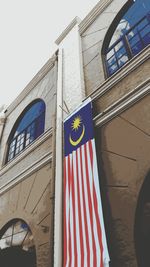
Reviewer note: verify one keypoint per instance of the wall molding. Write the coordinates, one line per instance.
(40, 140)
(123, 104)
(41, 162)
(129, 67)
(36, 79)
(75, 21)
(97, 10)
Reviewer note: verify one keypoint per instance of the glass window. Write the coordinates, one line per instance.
(17, 246)
(18, 234)
(29, 127)
(131, 35)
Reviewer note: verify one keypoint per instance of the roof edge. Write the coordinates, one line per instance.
(92, 15)
(35, 80)
(75, 21)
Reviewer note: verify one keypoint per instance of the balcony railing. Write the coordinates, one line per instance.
(129, 45)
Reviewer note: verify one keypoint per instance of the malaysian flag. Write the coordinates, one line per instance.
(84, 234)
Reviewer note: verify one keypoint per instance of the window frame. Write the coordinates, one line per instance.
(12, 138)
(108, 36)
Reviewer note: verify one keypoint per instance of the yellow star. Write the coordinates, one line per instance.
(76, 123)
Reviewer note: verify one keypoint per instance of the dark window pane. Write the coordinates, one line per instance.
(40, 125)
(137, 48)
(113, 69)
(142, 24)
(111, 61)
(132, 34)
(28, 129)
(121, 52)
(33, 113)
(145, 31)
(146, 39)
(122, 60)
(134, 39)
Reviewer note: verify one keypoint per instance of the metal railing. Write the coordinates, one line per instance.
(129, 45)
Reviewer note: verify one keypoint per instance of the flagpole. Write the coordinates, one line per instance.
(58, 170)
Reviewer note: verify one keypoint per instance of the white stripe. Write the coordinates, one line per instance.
(71, 229)
(87, 208)
(82, 213)
(76, 211)
(67, 212)
(97, 188)
(98, 252)
(71, 219)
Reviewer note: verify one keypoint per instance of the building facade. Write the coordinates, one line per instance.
(106, 57)
(27, 184)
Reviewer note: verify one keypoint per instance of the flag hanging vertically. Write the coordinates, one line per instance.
(84, 234)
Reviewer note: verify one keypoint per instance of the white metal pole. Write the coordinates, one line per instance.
(59, 167)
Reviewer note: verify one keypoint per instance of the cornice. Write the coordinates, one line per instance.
(26, 152)
(123, 104)
(36, 79)
(88, 20)
(130, 66)
(41, 162)
(75, 21)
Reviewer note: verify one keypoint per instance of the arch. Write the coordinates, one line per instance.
(128, 34)
(17, 245)
(142, 224)
(28, 127)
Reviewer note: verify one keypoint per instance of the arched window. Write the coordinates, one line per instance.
(128, 34)
(17, 245)
(28, 127)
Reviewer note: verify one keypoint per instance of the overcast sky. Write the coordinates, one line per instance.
(28, 30)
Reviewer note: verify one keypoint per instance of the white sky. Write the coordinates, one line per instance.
(28, 30)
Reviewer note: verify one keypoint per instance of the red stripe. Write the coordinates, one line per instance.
(71, 193)
(69, 185)
(65, 232)
(85, 216)
(74, 215)
(90, 206)
(79, 212)
(96, 207)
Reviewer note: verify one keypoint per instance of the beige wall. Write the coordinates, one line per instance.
(46, 90)
(121, 108)
(27, 181)
(121, 86)
(32, 200)
(124, 150)
(92, 41)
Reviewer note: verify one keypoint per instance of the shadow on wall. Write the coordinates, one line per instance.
(17, 257)
(142, 225)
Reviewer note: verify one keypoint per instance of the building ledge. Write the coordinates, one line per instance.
(90, 18)
(130, 66)
(41, 139)
(36, 79)
(74, 22)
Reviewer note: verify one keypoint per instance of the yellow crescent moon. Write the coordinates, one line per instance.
(75, 143)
